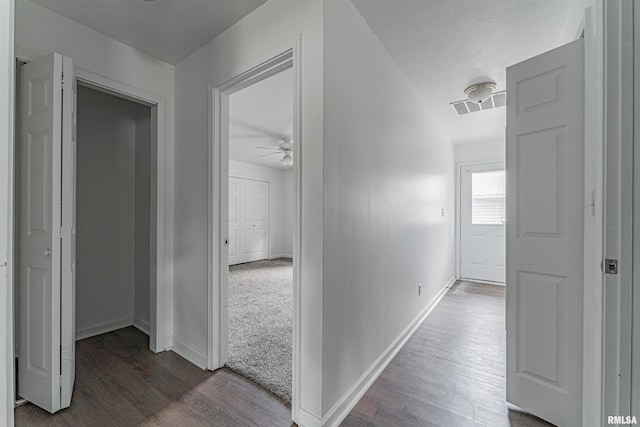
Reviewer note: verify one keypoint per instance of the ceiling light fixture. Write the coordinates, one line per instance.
(480, 92)
(287, 159)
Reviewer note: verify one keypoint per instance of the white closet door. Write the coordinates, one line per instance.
(545, 211)
(234, 220)
(68, 301)
(42, 129)
(254, 198)
(482, 209)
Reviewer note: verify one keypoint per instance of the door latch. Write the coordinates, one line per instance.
(226, 242)
(609, 266)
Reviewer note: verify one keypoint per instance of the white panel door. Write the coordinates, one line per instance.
(234, 220)
(482, 223)
(40, 253)
(545, 208)
(254, 198)
(68, 270)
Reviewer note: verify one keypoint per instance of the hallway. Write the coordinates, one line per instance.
(452, 370)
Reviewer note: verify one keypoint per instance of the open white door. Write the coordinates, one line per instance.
(68, 294)
(482, 222)
(545, 210)
(40, 238)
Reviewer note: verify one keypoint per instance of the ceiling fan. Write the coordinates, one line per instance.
(285, 148)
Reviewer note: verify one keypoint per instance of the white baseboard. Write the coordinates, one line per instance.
(280, 256)
(193, 356)
(484, 282)
(103, 328)
(350, 398)
(308, 420)
(168, 342)
(141, 325)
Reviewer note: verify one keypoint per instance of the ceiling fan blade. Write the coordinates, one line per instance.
(265, 155)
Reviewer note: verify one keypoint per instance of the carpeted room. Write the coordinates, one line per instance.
(260, 229)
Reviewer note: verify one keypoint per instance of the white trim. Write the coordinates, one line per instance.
(168, 342)
(306, 419)
(287, 56)
(483, 282)
(281, 256)
(160, 301)
(188, 353)
(141, 325)
(103, 328)
(458, 225)
(7, 140)
(350, 398)
(592, 399)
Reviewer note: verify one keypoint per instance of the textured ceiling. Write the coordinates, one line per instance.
(444, 46)
(260, 116)
(169, 30)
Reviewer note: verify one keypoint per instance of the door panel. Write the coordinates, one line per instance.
(254, 225)
(482, 229)
(68, 301)
(39, 250)
(545, 158)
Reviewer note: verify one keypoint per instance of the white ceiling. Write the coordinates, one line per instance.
(444, 46)
(169, 30)
(260, 116)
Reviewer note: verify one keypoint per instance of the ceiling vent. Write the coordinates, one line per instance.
(497, 100)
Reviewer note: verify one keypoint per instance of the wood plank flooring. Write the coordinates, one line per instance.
(451, 372)
(120, 382)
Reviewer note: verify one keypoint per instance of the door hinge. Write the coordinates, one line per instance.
(609, 266)
(60, 379)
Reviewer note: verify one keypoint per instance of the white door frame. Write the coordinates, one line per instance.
(458, 234)
(278, 60)
(161, 275)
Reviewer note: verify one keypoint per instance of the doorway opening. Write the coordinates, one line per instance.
(113, 216)
(255, 143)
(260, 261)
(482, 222)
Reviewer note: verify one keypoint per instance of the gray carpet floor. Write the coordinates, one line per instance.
(261, 322)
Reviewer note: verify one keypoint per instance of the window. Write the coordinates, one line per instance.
(488, 198)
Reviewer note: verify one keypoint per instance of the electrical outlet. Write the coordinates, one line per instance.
(419, 289)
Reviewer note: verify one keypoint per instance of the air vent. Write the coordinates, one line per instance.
(497, 100)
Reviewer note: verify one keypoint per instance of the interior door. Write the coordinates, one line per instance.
(545, 210)
(68, 270)
(234, 220)
(40, 243)
(482, 222)
(254, 200)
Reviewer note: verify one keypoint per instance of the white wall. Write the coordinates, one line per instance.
(480, 151)
(253, 40)
(389, 170)
(109, 137)
(276, 198)
(7, 65)
(288, 213)
(39, 31)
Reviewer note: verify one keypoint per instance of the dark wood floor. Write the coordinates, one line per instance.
(120, 382)
(451, 372)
